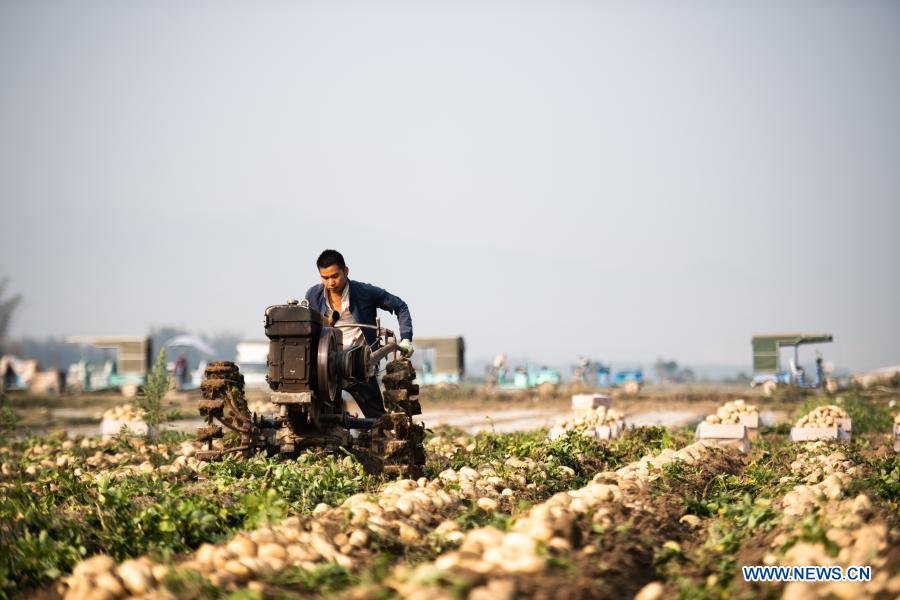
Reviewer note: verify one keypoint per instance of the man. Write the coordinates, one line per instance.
(347, 304)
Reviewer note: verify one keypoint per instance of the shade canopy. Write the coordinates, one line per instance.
(765, 347)
(190, 341)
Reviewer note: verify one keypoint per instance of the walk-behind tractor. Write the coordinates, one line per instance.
(307, 369)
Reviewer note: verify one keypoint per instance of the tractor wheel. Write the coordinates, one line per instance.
(223, 401)
(396, 447)
(397, 442)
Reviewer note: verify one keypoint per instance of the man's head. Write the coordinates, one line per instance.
(333, 270)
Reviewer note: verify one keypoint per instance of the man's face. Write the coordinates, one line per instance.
(334, 278)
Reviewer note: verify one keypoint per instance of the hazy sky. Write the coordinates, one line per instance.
(622, 180)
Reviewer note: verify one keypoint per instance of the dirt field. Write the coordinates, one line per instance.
(501, 512)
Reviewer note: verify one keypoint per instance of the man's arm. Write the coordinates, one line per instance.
(394, 304)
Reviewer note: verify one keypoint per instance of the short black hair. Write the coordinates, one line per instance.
(330, 257)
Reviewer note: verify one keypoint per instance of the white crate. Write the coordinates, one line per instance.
(751, 420)
(607, 432)
(726, 435)
(111, 427)
(590, 401)
(603, 432)
(812, 434)
(743, 445)
(729, 431)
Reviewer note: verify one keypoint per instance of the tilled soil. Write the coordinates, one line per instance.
(406, 539)
(617, 562)
(599, 541)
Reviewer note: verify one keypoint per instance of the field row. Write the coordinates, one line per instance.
(497, 516)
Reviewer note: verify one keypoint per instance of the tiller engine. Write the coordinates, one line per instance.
(307, 369)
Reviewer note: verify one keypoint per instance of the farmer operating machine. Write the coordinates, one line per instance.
(306, 370)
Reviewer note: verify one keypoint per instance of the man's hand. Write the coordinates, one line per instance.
(407, 347)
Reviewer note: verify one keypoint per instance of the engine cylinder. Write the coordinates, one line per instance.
(293, 333)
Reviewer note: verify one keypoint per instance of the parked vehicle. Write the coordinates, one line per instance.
(126, 370)
(525, 377)
(597, 374)
(767, 370)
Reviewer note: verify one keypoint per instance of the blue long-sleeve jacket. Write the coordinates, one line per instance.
(365, 299)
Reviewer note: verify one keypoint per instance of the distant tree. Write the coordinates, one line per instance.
(55, 353)
(665, 370)
(7, 306)
(225, 344)
(160, 335)
(741, 378)
(669, 371)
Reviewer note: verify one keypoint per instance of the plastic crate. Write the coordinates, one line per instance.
(590, 401)
(750, 420)
(726, 435)
(814, 434)
(603, 432)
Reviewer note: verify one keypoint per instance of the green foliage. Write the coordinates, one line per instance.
(789, 394)
(884, 482)
(187, 583)
(51, 521)
(300, 484)
(813, 529)
(776, 429)
(473, 517)
(263, 508)
(585, 455)
(639, 441)
(150, 398)
(322, 580)
(8, 417)
(172, 437)
(881, 478)
(490, 446)
(245, 594)
(736, 507)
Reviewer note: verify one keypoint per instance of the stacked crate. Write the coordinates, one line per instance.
(823, 423)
